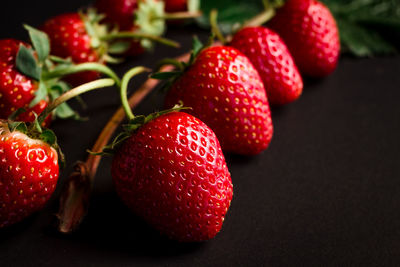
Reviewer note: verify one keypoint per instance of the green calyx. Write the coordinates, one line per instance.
(180, 67)
(147, 19)
(35, 131)
(132, 126)
(47, 70)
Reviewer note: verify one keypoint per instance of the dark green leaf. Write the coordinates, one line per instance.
(197, 46)
(40, 94)
(40, 42)
(367, 27)
(165, 75)
(17, 125)
(27, 64)
(230, 12)
(48, 136)
(64, 111)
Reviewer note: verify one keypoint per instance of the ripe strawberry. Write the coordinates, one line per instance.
(272, 59)
(226, 92)
(69, 38)
(171, 171)
(176, 5)
(119, 12)
(28, 174)
(16, 89)
(310, 32)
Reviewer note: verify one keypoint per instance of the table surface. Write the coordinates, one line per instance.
(325, 193)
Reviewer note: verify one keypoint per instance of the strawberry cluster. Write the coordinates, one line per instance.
(168, 167)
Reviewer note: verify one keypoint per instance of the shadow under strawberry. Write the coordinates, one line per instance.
(111, 226)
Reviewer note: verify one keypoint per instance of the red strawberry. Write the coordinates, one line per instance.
(28, 174)
(176, 5)
(16, 89)
(119, 12)
(272, 59)
(310, 32)
(69, 38)
(226, 92)
(172, 172)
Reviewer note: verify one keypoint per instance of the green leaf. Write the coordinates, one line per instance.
(64, 111)
(367, 27)
(17, 125)
(40, 94)
(40, 42)
(48, 136)
(27, 64)
(362, 42)
(197, 46)
(230, 13)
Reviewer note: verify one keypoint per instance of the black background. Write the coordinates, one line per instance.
(326, 192)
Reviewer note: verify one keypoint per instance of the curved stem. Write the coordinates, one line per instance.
(170, 61)
(214, 26)
(137, 35)
(90, 66)
(124, 88)
(261, 18)
(73, 93)
(181, 15)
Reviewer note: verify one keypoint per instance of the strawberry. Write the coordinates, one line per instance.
(69, 38)
(311, 34)
(119, 12)
(28, 174)
(272, 59)
(16, 89)
(29, 158)
(173, 6)
(227, 93)
(171, 172)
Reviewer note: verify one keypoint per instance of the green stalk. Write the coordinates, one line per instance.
(124, 88)
(261, 18)
(91, 66)
(180, 15)
(137, 35)
(73, 93)
(214, 26)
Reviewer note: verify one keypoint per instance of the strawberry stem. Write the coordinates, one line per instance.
(137, 35)
(181, 15)
(91, 66)
(124, 88)
(261, 18)
(73, 93)
(214, 26)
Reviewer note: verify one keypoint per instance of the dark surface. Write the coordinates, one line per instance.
(326, 192)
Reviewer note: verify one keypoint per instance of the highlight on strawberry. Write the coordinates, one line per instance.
(30, 159)
(169, 169)
(225, 91)
(30, 77)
